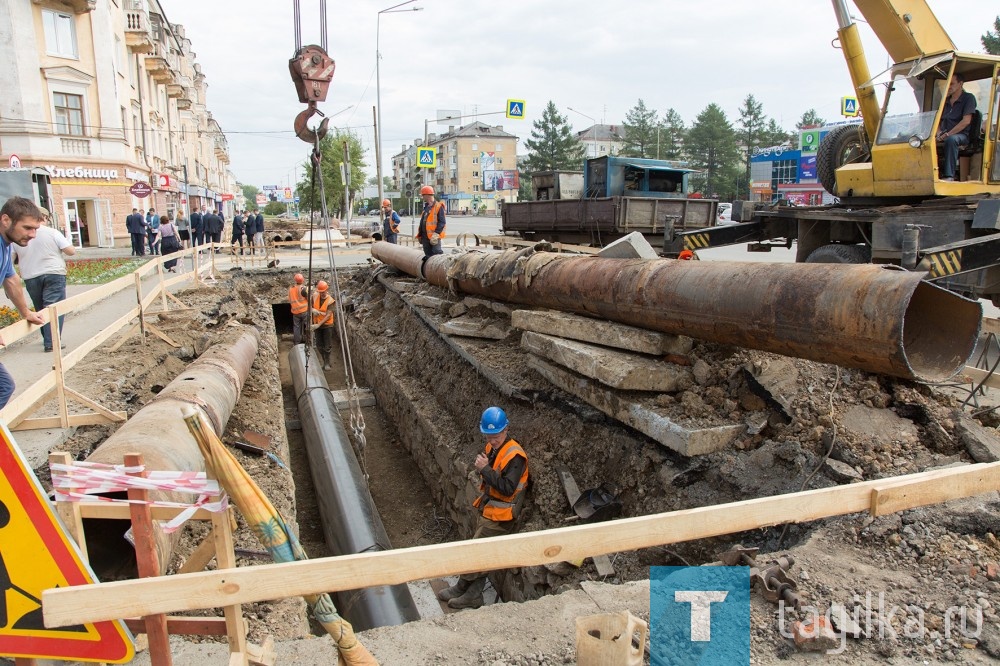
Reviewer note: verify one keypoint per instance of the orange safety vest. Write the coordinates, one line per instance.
(430, 224)
(299, 303)
(322, 307)
(501, 507)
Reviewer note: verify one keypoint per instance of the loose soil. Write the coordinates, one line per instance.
(422, 438)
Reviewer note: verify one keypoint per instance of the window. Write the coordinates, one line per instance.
(68, 113)
(475, 160)
(475, 188)
(135, 129)
(475, 146)
(498, 147)
(60, 34)
(475, 174)
(125, 125)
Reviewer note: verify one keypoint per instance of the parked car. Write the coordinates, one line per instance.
(725, 214)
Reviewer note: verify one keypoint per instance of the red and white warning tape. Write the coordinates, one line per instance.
(86, 481)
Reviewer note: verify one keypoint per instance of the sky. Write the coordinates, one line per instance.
(599, 58)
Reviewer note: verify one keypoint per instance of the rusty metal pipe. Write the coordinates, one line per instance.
(864, 316)
(210, 385)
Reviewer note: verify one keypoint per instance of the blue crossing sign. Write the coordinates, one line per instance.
(849, 106)
(427, 158)
(515, 109)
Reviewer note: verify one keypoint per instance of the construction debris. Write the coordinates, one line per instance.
(600, 332)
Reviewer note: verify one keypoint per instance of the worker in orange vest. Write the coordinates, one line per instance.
(298, 299)
(503, 472)
(431, 229)
(390, 224)
(322, 318)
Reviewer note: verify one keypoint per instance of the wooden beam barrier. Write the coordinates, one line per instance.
(211, 589)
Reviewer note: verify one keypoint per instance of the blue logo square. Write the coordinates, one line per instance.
(699, 615)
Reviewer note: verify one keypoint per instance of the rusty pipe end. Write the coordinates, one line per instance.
(940, 332)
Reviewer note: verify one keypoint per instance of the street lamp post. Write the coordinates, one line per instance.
(593, 126)
(378, 90)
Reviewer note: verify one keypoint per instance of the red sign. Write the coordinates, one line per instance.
(37, 555)
(141, 190)
(228, 197)
(164, 181)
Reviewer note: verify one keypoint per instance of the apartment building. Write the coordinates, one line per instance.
(99, 95)
(476, 168)
(601, 140)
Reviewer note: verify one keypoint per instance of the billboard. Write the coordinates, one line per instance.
(494, 179)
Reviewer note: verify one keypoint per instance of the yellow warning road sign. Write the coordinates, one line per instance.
(36, 554)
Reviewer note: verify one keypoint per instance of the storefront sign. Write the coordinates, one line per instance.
(89, 173)
(135, 176)
(227, 197)
(141, 190)
(165, 181)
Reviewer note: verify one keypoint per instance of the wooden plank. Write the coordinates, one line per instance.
(85, 299)
(978, 375)
(991, 325)
(120, 511)
(72, 420)
(179, 624)
(893, 497)
(341, 398)
(211, 589)
(26, 402)
(236, 630)
(96, 406)
(200, 557)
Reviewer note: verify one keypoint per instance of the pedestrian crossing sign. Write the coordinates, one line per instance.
(427, 158)
(849, 107)
(515, 109)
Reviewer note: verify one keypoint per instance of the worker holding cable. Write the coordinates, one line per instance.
(502, 468)
(431, 229)
(322, 318)
(298, 300)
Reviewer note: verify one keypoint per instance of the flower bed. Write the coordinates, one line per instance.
(98, 271)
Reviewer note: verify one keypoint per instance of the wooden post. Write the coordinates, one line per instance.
(163, 290)
(226, 559)
(70, 512)
(138, 298)
(58, 365)
(148, 564)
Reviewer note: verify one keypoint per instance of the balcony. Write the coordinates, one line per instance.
(175, 90)
(158, 64)
(183, 103)
(76, 6)
(75, 146)
(137, 36)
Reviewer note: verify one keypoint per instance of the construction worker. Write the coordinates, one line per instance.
(431, 229)
(298, 298)
(390, 222)
(503, 472)
(322, 321)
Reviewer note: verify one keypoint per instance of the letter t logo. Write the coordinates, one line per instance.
(701, 610)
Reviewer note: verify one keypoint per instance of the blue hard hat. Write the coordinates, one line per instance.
(494, 420)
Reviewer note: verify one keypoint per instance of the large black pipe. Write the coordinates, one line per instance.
(351, 523)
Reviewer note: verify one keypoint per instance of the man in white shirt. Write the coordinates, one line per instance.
(43, 269)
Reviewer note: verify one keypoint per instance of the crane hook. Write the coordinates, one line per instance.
(306, 134)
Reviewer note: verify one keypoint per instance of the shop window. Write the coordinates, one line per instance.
(60, 34)
(68, 113)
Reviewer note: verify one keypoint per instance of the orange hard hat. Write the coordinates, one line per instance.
(386, 203)
(686, 254)
(322, 285)
(299, 279)
(426, 189)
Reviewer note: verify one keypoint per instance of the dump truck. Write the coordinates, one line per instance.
(894, 208)
(619, 195)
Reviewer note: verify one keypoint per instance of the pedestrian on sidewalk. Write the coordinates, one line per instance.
(183, 227)
(238, 229)
(152, 224)
(502, 468)
(322, 318)
(137, 231)
(43, 269)
(258, 230)
(169, 244)
(19, 222)
(198, 227)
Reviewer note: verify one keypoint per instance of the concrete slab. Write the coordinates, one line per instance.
(644, 418)
(776, 384)
(600, 331)
(495, 306)
(475, 328)
(433, 302)
(632, 246)
(620, 370)
(320, 238)
(982, 443)
(882, 423)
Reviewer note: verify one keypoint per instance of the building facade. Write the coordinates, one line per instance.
(601, 140)
(476, 168)
(101, 95)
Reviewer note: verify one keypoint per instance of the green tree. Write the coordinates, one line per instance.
(332, 150)
(640, 131)
(672, 136)
(810, 119)
(552, 145)
(752, 121)
(991, 40)
(711, 146)
(774, 134)
(274, 208)
(249, 193)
